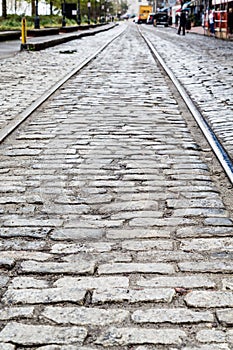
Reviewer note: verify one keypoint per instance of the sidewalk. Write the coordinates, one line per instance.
(194, 30)
(41, 43)
(9, 47)
(201, 31)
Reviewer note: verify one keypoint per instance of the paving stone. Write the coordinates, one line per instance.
(160, 268)
(9, 313)
(46, 295)
(225, 316)
(227, 283)
(167, 256)
(5, 346)
(147, 245)
(77, 233)
(209, 299)
(218, 221)
(20, 255)
(133, 295)
(192, 203)
(111, 257)
(38, 335)
(18, 222)
(146, 222)
(193, 281)
(24, 232)
(80, 266)
(206, 266)
(203, 212)
(19, 244)
(28, 282)
(3, 280)
(203, 231)
(85, 316)
(7, 263)
(208, 244)
(92, 282)
(211, 335)
(129, 336)
(178, 315)
(97, 247)
(128, 206)
(137, 233)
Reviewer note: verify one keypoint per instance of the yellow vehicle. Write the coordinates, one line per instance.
(144, 11)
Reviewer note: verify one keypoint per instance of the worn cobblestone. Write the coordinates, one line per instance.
(29, 334)
(172, 316)
(112, 214)
(124, 336)
(133, 295)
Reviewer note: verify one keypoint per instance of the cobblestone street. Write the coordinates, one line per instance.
(116, 232)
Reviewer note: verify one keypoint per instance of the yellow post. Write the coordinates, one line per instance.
(24, 31)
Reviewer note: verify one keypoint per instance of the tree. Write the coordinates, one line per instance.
(4, 10)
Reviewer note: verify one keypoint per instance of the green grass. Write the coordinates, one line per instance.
(13, 22)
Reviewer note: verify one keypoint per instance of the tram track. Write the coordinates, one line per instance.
(18, 120)
(110, 211)
(221, 154)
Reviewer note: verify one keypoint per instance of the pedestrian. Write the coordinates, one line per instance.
(203, 20)
(211, 22)
(177, 20)
(230, 21)
(182, 22)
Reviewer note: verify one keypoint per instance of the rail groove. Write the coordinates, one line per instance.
(210, 136)
(11, 126)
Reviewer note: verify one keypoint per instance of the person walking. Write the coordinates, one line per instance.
(211, 22)
(182, 22)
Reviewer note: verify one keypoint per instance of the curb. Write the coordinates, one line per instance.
(44, 44)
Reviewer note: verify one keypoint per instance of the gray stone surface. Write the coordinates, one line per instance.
(36, 335)
(133, 295)
(114, 212)
(129, 336)
(84, 316)
(172, 316)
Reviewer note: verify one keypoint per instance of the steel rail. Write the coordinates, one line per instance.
(210, 136)
(11, 126)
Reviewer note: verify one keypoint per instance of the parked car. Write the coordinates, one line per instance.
(161, 18)
(150, 18)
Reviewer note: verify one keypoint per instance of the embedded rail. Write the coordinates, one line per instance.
(208, 133)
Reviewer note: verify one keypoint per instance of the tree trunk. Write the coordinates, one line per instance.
(4, 11)
(33, 7)
(51, 7)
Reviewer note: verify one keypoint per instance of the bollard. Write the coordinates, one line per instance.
(24, 34)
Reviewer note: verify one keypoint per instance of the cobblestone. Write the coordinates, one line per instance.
(134, 268)
(84, 316)
(10, 313)
(46, 295)
(225, 316)
(124, 336)
(112, 214)
(172, 316)
(191, 281)
(133, 295)
(28, 334)
(209, 299)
